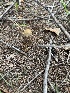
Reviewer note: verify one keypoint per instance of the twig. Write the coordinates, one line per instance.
(29, 19)
(55, 19)
(16, 25)
(23, 88)
(68, 57)
(54, 57)
(66, 78)
(6, 10)
(55, 46)
(52, 87)
(13, 47)
(7, 73)
(14, 22)
(5, 80)
(46, 71)
(25, 19)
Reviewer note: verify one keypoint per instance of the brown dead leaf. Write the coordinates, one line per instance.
(55, 30)
(4, 91)
(22, 0)
(27, 32)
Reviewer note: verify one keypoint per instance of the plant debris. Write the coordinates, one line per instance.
(27, 32)
(25, 48)
(55, 30)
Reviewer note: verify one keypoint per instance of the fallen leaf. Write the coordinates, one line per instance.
(3, 91)
(27, 32)
(55, 30)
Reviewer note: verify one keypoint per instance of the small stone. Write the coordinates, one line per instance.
(11, 65)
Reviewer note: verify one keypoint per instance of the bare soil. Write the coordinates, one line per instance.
(18, 69)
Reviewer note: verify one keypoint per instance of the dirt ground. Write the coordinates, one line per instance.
(16, 68)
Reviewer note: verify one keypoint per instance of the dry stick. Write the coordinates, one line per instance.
(68, 57)
(21, 87)
(5, 80)
(54, 57)
(13, 47)
(2, 77)
(52, 87)
(16, 25)
(46, 71)
(6, 10)
(7, 73)
(14, 22)
(57, 22)
(55, 46)
(25, 19)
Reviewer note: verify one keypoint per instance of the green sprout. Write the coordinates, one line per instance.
(16, 6)
(65, 7)
(23, 25)
(0, 92)
(56, 89)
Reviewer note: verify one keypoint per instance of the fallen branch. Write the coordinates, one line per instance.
(13, 47)
(55, 46)
(46, 71)
(55, 19)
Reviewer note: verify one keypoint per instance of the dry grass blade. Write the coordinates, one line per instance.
(7, 10)
(12, 47)
(21, 88)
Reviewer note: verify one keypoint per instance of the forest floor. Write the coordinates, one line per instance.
(27, 64)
